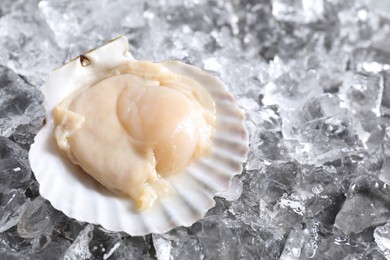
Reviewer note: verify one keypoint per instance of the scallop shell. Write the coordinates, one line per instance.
(79, 196)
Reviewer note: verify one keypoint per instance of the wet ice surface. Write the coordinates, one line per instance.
(313, 78)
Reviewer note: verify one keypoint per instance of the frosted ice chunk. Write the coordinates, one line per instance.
(382, 7)
(301, 242)
(6, 6)
(130, 248)
(358, 24)
(24, 134)
(163, 247)
(385, 171)
(82, 25)
(254, 242)
(385, 103)
(20, 102)
(232, 73)
(301, 11)
(52, 250)
(279, 178)
(209, 237)
(15, 171)
(12, 205)
(28, 47)
(234, 191)
(382, 239)
(79, 248)
(104, 243)
(370, 60)
(360, 212)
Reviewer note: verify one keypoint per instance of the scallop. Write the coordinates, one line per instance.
(136, 146)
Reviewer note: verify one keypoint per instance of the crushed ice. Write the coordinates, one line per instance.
(312, 77)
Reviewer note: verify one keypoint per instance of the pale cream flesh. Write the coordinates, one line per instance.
(135, 126)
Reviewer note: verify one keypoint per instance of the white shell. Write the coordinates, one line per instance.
(79, 196)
